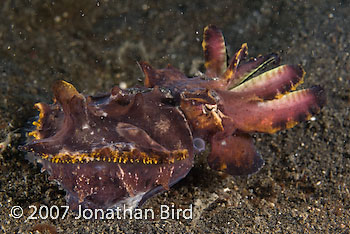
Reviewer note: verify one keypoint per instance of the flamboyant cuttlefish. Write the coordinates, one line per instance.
(122, 147)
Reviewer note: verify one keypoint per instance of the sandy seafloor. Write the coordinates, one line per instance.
(304, 185)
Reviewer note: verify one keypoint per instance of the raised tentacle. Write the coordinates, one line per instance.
(229, 77)
(214, 51)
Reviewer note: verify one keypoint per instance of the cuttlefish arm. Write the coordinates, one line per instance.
(254, 115)
(234, 154)
(214, 51)
(273, 83)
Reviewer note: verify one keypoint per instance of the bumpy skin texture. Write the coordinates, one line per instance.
(123, 147)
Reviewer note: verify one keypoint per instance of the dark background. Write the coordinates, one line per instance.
(304, 185)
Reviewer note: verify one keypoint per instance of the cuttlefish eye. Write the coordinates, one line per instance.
(199, 144)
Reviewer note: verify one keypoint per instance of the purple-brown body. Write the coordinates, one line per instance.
(124, 146)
